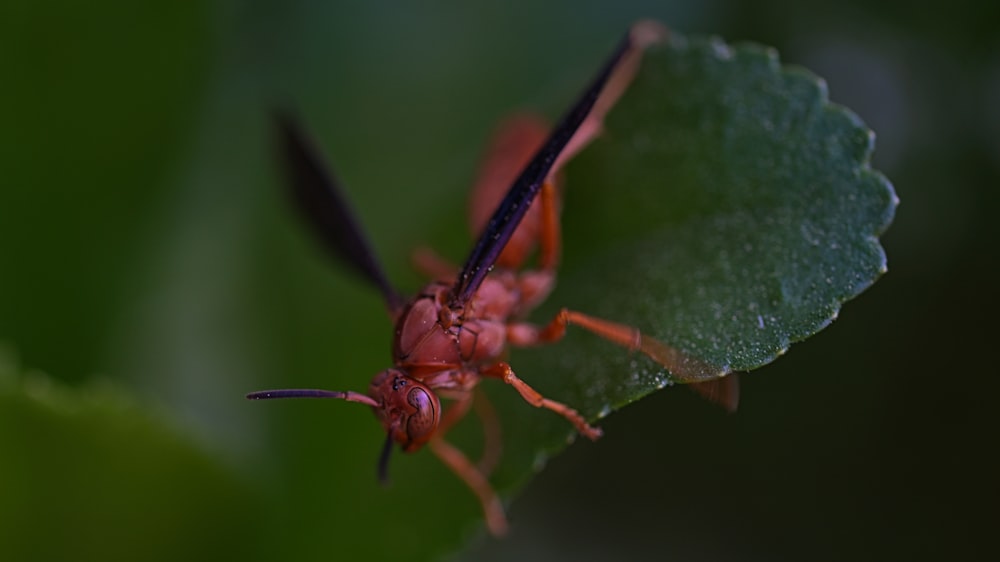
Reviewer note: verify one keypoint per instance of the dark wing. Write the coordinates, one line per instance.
(515, 204)
(318, 198)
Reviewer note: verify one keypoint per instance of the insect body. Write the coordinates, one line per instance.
(456, 330)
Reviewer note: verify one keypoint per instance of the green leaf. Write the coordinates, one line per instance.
(99, 105)
(89, 475)
(729, 210)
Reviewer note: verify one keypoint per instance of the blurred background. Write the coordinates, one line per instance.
(151, 274)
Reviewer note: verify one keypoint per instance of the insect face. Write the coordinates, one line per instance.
(409, 410)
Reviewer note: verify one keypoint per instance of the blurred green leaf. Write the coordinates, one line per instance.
(89, 475)
(98, 106)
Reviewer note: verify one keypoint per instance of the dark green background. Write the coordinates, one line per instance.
(144, 245)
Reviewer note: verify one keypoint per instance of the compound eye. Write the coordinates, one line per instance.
(424, 421)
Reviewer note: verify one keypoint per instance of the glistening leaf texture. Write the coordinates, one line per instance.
(728, 210)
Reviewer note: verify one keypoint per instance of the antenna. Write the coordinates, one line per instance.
(313, 393)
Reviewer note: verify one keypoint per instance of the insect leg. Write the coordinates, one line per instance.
(682, 367)
(550, 237)
(642, 35)
(535, 285)
(531, 396)
(496, 521)
(456, 412)
(725, 391)
(492, 439)
(477, 399)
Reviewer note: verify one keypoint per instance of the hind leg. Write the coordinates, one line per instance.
(682, 367)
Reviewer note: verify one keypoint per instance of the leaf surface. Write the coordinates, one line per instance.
(729, 211)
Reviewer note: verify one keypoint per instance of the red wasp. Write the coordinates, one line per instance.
(456, 330)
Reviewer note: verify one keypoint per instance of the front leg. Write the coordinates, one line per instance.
(503, 372)
(496, 521)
